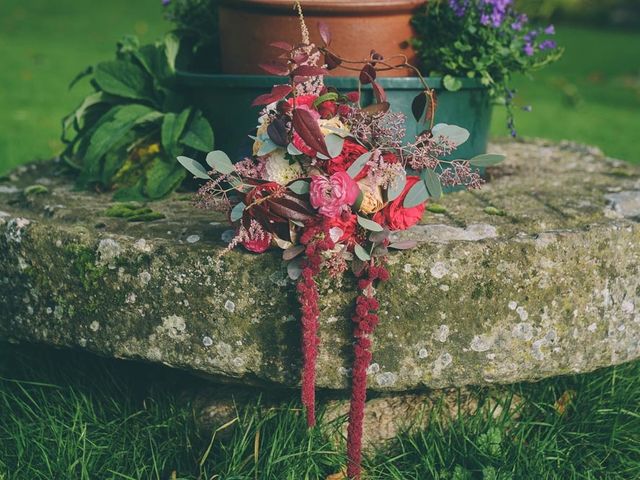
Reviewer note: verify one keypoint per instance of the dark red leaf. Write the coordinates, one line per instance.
(376, 108)
(325, 33)
(275, 67)
(376, 57)
(277, 131)
(300, 57)
(378, 91)
(277, 93)
(290, 210)
(307, 127)
(283, 107)
(282, 46)
(418, 105)
(367, 74)
(332, 61)
(308, 71)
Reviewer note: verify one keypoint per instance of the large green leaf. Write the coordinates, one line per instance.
(172, 127)
(114, 125)
(162, 178)
(124, 79)
(171, 48)
(199, 134)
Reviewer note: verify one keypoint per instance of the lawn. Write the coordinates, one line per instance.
(592, 95)
(68, 415)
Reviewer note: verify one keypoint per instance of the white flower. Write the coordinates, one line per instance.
(278, 169)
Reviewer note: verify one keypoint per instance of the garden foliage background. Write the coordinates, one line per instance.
(592, 95)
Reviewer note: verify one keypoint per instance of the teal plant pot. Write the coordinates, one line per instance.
(226, 102)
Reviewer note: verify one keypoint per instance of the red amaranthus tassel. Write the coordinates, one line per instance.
(365, 320)
(316, 242)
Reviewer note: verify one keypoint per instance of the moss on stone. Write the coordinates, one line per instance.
(133, 213)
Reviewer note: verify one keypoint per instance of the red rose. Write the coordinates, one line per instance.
(350, 153)
(303, 101)
(353, 97)
(395, 216)
(347, 222)
(328, 110)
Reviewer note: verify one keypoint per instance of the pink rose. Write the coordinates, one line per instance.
(331, 196)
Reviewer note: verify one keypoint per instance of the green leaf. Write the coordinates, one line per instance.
(300, 187)
(432, 181)
(194, 168)
(327, 97)
(397, 187)
(369, 224)
(292, 150)
(357, 166)
(172, 127)
(334, 144)
(172, 47)
(451, 83)
(162, 178)
(361, 253)
(237, 211)
(416, 195)
(123, 79)
(154, 61)
(199, 134)
(84, 73)
(134, 193)
(220, 162)
(455, 134)
(114, 125)
(486, 160)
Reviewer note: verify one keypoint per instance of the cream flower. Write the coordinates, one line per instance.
(372, 201)
(278, 169)
(333, 124)
(261, 133)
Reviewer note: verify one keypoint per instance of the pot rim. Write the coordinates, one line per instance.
(267, 81)
(344, 7)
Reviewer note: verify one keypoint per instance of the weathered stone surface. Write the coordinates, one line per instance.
(551, 287)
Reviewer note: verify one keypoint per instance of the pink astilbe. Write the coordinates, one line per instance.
(383, 173)
(365, 320)
(316, 241)
(250, 168)
(212, 195)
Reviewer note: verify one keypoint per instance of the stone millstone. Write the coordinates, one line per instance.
(534, 276)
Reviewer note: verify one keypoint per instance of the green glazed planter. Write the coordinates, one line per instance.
(226, 101)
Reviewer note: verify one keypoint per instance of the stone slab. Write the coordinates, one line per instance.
(548, 287)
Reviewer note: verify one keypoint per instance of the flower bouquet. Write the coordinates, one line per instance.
(328, 184)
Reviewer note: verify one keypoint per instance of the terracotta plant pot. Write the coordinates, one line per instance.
(248, 27)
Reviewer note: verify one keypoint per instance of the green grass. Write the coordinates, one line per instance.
(592, 95)
(43, 45)
(68, 415)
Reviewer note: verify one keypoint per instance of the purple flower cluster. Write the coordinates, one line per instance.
(459, 7)
(494, 12)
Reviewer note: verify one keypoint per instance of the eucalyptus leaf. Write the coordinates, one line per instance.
(403, 245)
(416, 195)
(292, 252)
(220, 162)
(361, 253)
(432, 181)
(357, 166)
(300, 187)
(334, 144)
(369, 224)
(486, 160)
(397, 187)
(267, 147)
(194, 168)
(294, 269)
(292, 150)
(453, 133)
(237, 212)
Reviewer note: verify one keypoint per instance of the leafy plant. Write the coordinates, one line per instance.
(483, 39)
(124, 136)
